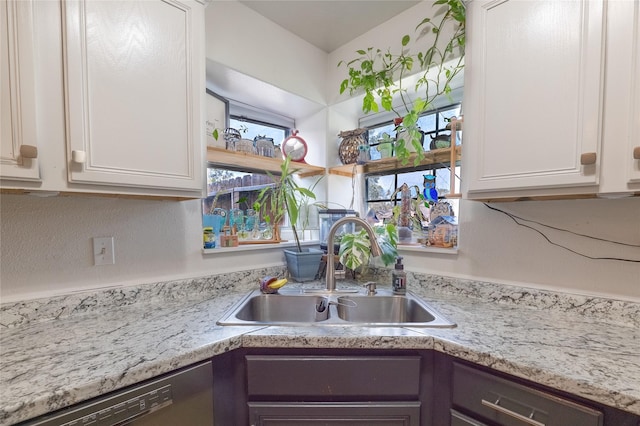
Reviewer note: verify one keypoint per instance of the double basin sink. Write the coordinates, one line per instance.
(296, 308)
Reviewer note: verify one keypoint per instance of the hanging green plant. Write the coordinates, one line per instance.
(380, 74)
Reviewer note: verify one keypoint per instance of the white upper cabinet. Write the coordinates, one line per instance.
(134, 86)
(552, 99)
(632, 13)
(621, 123)
(533, 96)
(18, 144)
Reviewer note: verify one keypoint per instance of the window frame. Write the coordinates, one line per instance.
(432, 168)
(440, 126)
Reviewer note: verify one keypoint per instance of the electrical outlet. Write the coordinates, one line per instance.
(103, 253)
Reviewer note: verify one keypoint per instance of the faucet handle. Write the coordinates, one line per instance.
(371, 288)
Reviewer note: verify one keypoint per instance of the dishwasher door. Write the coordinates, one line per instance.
(181, 398)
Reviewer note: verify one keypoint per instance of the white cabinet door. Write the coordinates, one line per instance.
(533, 88)
(134, 81)
(621, 121)
(18, 145)
(633, 151)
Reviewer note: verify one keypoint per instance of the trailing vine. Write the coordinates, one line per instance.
(380, 74)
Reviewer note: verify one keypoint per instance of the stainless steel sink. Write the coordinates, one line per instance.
(383, 309)
(279, 308)
(295, 308)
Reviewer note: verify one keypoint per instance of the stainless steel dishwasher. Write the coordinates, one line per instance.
(181, 398)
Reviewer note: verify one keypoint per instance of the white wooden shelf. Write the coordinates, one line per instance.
(434, 157)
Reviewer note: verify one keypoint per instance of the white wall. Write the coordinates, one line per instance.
(243, 40)
(494, 248)
(46, 244)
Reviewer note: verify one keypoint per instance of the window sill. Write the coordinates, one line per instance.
(427, 249)
(254, 247)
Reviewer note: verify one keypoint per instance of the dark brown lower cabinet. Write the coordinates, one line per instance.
(362, 387)
(459, 419)
(324, 387)
(506, 403)
(333, 390)
(472, 395)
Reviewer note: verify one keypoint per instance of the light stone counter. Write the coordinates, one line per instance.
(57, 352)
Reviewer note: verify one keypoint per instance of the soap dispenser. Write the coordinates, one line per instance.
(399, 278)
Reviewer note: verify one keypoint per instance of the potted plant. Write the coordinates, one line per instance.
(355, 248)
(287, 198)
(381, 74)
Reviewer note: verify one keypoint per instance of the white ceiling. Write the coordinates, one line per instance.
(329, 24)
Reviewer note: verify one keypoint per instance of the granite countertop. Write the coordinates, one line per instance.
(60, 351)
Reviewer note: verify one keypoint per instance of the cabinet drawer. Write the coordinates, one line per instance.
(512, 404)
(334, 414)
(458, 419)
(358, 377)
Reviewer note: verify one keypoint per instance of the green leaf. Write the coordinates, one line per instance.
(355, 249)
(367, 102)
(408, 63)
(215, 134)
(306, 192)
(361, 52)
(386, 100)
(343, 86)
(405, 40)
(424, 21)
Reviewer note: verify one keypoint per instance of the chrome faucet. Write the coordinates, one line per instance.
(331, 267)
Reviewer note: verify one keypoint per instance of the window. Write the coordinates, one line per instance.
(235, 193)
(380, 188)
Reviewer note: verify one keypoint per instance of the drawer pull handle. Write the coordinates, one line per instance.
(79, 157)
(588, 158)
(28, 151)
(495, 406)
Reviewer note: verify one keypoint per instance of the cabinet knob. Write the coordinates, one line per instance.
(28, 151)
(588, 158)
(636, 153)
(79, 157)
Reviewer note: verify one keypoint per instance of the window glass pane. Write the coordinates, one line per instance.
(383, 210)
(380, 187)
(375, 135)
(427, 123)
(235, 193)
(448, 113)
(413, 180)
(249, 130)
